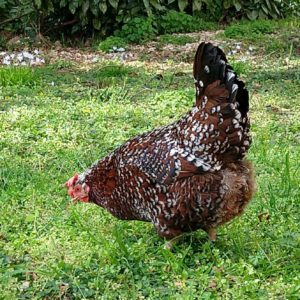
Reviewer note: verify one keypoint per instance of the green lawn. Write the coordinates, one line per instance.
(51, 251)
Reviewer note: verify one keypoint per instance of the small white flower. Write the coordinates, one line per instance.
(20, 57)
(28, 55)
(238, 47)
(6, 62)
(25, 285)
(52, 83)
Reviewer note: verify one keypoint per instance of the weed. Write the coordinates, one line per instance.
(112, 43)
(62, 64)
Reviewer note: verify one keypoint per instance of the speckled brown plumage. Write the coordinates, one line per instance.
(190, 174)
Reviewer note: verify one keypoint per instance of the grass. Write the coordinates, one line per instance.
(16, 76)
(51, 251)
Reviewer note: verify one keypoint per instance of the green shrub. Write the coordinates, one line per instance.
(138, 30)
(263, 9)
(57, 17)
(176, 22)
(249, 30)
(200, 24)
(113, 41)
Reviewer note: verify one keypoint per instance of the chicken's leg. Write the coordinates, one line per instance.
(212, 234)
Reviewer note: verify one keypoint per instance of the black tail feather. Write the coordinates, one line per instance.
(211, 65)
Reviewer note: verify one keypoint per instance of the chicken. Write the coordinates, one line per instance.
(188, 175)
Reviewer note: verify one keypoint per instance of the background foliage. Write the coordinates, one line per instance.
(52, 17)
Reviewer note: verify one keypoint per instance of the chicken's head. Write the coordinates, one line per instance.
(78, 191)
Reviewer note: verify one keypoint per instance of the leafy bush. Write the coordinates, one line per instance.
(175, 21)
(253, 9)
(138, 30)
(111, 42)
(83, 17)
(249, 29)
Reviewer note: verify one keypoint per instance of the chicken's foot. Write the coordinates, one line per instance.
(170, 244)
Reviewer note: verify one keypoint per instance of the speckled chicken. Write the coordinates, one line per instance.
(188, 175)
